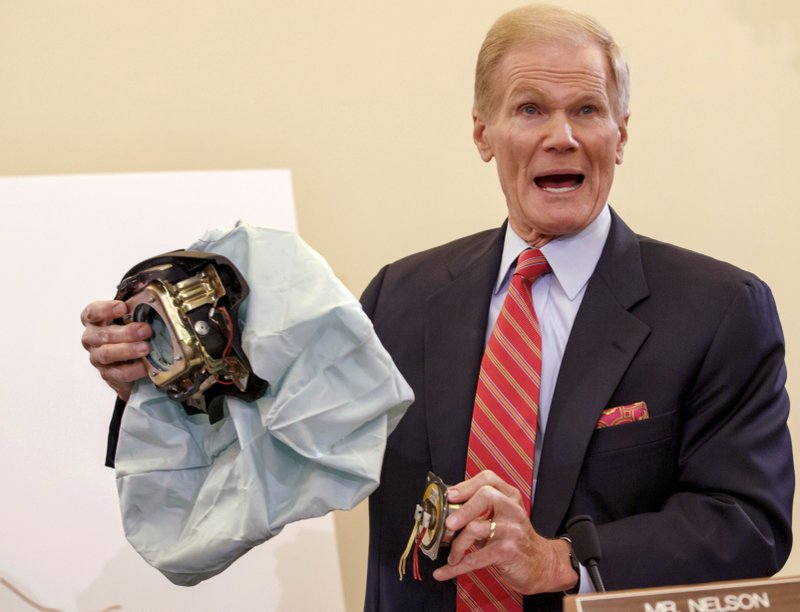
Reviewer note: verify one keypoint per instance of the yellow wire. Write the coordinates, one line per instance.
(409, 546)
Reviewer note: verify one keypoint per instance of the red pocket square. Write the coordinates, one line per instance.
(620, 415)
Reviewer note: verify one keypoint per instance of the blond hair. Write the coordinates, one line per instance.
(536, 23)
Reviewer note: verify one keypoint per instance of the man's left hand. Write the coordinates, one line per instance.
(493, 519)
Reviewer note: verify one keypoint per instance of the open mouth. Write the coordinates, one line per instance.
(559, 183)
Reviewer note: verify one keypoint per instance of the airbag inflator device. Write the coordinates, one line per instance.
(190, 299)
(429, 533)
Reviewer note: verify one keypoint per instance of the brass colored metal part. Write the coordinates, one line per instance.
(172, 303)
(435, 510)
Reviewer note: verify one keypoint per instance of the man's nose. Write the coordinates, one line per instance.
(560, 136)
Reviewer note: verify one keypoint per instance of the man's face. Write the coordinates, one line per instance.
(553, 136)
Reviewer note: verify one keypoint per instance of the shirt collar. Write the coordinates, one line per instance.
(572, 258)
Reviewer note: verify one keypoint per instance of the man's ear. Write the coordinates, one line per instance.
(480, 137)
(623, 139)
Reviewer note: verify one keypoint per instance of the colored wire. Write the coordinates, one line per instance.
(417, 575)
(407, 551)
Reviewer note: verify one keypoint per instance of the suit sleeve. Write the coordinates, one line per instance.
(729, 515)
(369, 299)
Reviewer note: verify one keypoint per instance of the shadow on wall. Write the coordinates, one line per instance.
(772, 23)
(273, 576)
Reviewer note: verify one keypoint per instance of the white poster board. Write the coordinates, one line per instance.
(67, 240)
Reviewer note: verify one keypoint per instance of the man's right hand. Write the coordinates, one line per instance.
(115, 350)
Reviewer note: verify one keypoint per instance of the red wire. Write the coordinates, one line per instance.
(417, 575)
(228, 346)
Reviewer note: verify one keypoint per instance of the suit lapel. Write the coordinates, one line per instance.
(604, 339)
(455, 329)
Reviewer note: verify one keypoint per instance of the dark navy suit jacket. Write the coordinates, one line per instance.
(700, 491)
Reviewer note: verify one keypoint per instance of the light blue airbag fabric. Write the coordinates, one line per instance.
(196, 496)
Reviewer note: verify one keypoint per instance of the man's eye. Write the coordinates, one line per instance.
(530, 109)
(589, 109)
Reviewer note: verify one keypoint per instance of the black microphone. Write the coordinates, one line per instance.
(586, 546)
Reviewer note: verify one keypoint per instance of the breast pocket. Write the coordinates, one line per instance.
(633, 435)
(628, 469)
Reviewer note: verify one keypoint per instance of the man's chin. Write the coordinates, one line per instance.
(540, 234)
(555, 217)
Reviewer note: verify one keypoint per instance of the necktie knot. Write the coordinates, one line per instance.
(531, 264)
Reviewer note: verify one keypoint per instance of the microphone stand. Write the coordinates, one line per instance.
(586, 546)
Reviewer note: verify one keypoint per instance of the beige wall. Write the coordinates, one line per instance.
(368, 103)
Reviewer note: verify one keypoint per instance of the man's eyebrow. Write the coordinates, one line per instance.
(523, 91)
(594, 99)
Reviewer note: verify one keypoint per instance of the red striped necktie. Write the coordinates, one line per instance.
(505, 417)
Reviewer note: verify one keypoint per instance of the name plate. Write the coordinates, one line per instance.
(776, 594)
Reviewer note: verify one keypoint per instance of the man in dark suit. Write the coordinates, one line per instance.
(680, 354)
(701, 490)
